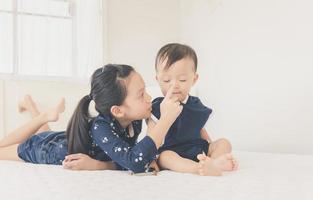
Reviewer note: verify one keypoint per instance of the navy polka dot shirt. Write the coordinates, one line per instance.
(110, 141)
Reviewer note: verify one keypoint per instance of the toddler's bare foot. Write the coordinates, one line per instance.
(226, 162)
(207, 166)
(26, 104)
(52, 114)
(236, 165)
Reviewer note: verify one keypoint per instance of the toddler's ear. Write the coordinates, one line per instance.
(195, 78)
(156, 78)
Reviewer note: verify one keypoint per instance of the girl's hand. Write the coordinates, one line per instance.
(155, 166)
(83, 162)
(170, 107)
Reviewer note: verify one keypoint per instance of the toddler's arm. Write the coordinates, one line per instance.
(205, 135)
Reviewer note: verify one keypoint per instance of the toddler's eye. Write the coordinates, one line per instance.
(182, 80)
(166, 81)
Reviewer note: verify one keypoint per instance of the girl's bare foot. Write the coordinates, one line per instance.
(225, 162)
(26, 104)
(52, 114)
(207, 166)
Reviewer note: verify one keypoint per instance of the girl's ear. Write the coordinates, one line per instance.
(195, 79)
(116, 111)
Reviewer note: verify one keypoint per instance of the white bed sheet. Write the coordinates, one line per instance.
(260, 176)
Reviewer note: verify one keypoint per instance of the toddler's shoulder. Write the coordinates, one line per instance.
(194, 100)
(196, 103)
(157, 100)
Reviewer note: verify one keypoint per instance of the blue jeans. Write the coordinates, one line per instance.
(44, 148)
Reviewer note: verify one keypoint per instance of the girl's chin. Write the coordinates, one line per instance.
(145, 116)
(148, 115)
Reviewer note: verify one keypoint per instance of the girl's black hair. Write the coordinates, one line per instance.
(107, 89)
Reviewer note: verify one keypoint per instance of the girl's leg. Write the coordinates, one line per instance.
(9, 153)
(29, 105)
(172, 161)
(24, 132)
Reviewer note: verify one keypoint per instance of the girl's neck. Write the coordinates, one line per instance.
(124, 122)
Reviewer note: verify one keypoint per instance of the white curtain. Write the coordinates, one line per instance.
(6, 43)
(89, 36)
(54, 37)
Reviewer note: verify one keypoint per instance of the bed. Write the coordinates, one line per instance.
(260, 176)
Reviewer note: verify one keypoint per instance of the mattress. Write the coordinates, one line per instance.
(260, 176)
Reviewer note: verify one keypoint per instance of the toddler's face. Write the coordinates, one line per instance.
(181, 74)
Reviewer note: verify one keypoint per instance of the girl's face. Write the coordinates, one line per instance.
(137, 104)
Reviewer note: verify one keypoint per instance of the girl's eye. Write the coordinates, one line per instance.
(166, 81)
(182, 80)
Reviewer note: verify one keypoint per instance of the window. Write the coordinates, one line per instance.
(61, 38)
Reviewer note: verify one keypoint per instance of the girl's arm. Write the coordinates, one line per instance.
(205, 135)
(81, 161)
(170, 109)
(135, 157)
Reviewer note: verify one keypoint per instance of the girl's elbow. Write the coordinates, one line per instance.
(136, 168)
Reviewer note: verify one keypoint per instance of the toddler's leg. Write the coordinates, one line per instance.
(172, 161)
(24, 132)
(9, 153)
(27, 104)
(219, 151)
(219, 147)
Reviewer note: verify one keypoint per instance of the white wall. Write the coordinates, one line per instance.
(45, 93)
(1, 108)
(256, 66)
(137, 29)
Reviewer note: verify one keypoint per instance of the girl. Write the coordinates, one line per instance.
(122, 102)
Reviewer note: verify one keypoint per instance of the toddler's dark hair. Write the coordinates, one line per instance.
(174, 52)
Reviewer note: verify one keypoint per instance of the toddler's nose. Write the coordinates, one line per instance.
(175, 84)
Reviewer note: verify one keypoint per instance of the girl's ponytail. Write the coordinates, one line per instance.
(78, 140)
